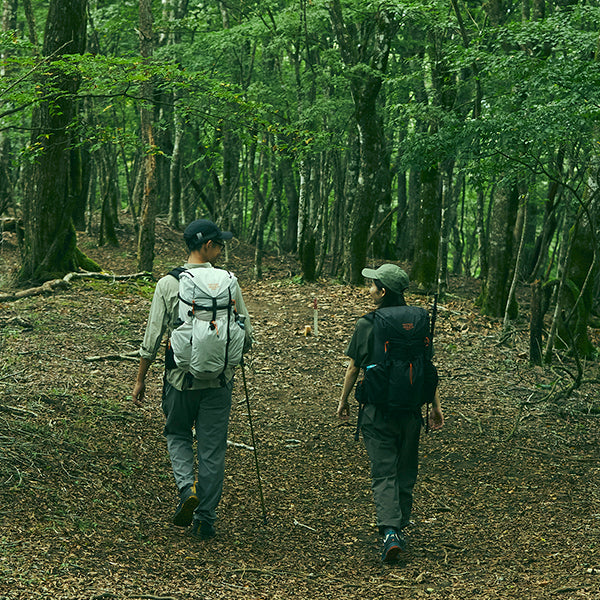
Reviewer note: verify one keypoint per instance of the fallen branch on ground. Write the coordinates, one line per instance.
(50, 287)
(557, 457)
(133, 355)
(17, 411)
(238, 445)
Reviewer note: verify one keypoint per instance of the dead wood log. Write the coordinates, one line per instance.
(50, 287)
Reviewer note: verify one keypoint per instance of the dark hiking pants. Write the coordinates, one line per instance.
(393, 448)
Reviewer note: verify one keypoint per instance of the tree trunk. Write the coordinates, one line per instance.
(577, 298)
(374, 169)
(536, 324)
(306, 238)
(427, 236)
(175, 205)
(50, 245)
(292, 197)
(9, 23)
(145, 256)
(109, 193)
(495, 290)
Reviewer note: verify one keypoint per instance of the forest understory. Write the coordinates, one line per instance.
(507, 505)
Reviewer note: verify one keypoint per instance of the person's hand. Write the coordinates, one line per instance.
(436, 418)
(343, 410)
(139, 392)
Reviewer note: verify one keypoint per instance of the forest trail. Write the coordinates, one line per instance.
(507, 505)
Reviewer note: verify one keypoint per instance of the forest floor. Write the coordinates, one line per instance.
(507, 505)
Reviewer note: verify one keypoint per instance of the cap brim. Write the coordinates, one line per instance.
(226, 235)
(369, 273)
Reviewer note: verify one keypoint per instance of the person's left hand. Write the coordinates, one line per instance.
(343, 410)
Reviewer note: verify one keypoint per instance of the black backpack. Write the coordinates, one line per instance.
(401, 377)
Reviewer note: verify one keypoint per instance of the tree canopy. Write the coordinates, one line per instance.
(454, 138)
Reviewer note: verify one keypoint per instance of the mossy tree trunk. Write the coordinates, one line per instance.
(50, 245)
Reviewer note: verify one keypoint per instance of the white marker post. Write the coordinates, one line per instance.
(315, 318)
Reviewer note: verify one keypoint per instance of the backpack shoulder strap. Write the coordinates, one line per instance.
(176, 272)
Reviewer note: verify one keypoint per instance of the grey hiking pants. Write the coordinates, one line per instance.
(207, 411)
(393, 449)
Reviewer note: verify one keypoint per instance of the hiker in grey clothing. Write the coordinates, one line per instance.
(392, 441)
(188, 403)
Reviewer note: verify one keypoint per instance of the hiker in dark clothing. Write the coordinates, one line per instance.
(192, 405)
(392, 442)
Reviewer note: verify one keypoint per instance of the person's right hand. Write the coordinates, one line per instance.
(139, 392)
(436, 418)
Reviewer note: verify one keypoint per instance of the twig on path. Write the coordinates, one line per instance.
(151, 597)
(471, 421)
(17, 411)
(238, 445)
(133, 355)
(568, 588)
(441, 505)
(302, 525)
(12, 374)
(553, 455)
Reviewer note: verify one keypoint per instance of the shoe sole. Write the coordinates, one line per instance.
(392, 554)
(203, 536)
(183, 517)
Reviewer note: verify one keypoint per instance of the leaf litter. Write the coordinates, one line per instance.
(507, 504)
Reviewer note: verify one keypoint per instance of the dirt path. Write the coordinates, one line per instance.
(507, 504)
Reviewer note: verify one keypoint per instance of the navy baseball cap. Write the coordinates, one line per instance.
(202, 230)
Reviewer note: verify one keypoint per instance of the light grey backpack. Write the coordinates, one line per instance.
(210, 336)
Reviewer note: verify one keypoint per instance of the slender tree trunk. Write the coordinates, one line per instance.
(306, 238)
(109, 193)
(31, 27)
(145, 256)
(175, 206)
(536, 324)
(448, 218)
(292, 197)
(510, 300)
(481, 234)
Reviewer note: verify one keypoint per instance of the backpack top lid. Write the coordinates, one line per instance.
(400, 332)
(203, 283)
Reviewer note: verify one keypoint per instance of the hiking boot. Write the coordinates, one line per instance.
(201, 530)
(393, 545)
(186, 507)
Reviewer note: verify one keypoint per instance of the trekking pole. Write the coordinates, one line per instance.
(431, 332)
(433, 318)
(262, 499)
